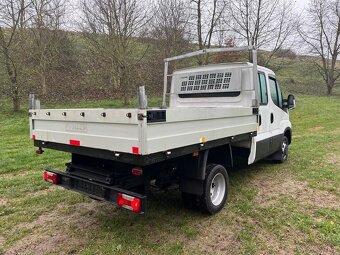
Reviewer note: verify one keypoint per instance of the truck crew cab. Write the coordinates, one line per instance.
(215, 114)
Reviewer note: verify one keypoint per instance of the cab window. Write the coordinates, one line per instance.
(275, 92)
(263, 89)
(279, 93)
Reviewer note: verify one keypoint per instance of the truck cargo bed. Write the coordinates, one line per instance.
(141, 132)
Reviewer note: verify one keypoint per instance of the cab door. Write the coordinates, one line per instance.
(277, 115)
(264, 132)
(273, 120)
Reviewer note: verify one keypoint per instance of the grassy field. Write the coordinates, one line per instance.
(290, 208)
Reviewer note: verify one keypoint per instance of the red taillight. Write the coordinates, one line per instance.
(51, 177)
(129, 202)
(75, 142)
(33, 137)
(137, 171)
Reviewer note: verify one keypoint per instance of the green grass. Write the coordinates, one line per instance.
(289, 208)
(300, 76)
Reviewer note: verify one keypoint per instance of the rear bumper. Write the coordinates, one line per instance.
(96, 190)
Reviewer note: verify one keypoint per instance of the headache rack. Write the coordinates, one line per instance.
(216, 82)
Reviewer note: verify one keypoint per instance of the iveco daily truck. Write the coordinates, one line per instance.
(216, 113)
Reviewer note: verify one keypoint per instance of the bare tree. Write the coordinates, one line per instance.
(206, 15)
(233, 56)
(170, 26)
(322, 37)
(45, 35)
(263, 23)
(12, 21)
(111, 27)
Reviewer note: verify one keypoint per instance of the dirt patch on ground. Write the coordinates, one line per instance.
(333, 158)
(271, 189)
(2, 241)
(214, 238)
(60, 231)
(335, 131)
(44, 244)
(45, 191)
(333, 145)
(3, 202)
(289, 243)
(315, 129)
(17, 174)
(272, 245)
(218, 238)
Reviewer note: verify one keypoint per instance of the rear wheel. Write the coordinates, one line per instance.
(216, 187)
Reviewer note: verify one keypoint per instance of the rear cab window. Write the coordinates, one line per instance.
(275, 92)
(263, 89)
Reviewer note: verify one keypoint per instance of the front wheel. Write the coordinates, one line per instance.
(282, 153)
(216, 187)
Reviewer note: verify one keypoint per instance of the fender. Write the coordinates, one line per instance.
(193, 175)
(194, 167)
(289, 134)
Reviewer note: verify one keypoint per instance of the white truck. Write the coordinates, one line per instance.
(216, 113)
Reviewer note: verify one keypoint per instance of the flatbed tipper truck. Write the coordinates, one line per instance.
(216, 113)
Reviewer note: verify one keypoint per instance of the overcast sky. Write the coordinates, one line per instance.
(301, 4)
(72, 16)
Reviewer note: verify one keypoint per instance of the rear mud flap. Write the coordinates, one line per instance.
(252, 155)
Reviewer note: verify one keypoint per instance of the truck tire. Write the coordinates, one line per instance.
(282, 154)
(216, 187)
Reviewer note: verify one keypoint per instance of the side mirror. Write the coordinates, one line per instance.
(291, 102)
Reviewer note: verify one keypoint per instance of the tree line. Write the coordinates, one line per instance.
(107, 48)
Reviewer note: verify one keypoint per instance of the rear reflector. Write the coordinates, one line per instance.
(75, 142)
(135, 150)
(137, 171)
(195, 154)
(129, 202)
(51, 177)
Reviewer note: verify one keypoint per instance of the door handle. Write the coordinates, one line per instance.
(260, 120)
(271, 118)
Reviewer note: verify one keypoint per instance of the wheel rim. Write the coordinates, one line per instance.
(284, 149)
(217, 189)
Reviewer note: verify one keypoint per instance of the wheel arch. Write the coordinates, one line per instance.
(221, 155)
(288, 134)
(192, 179)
